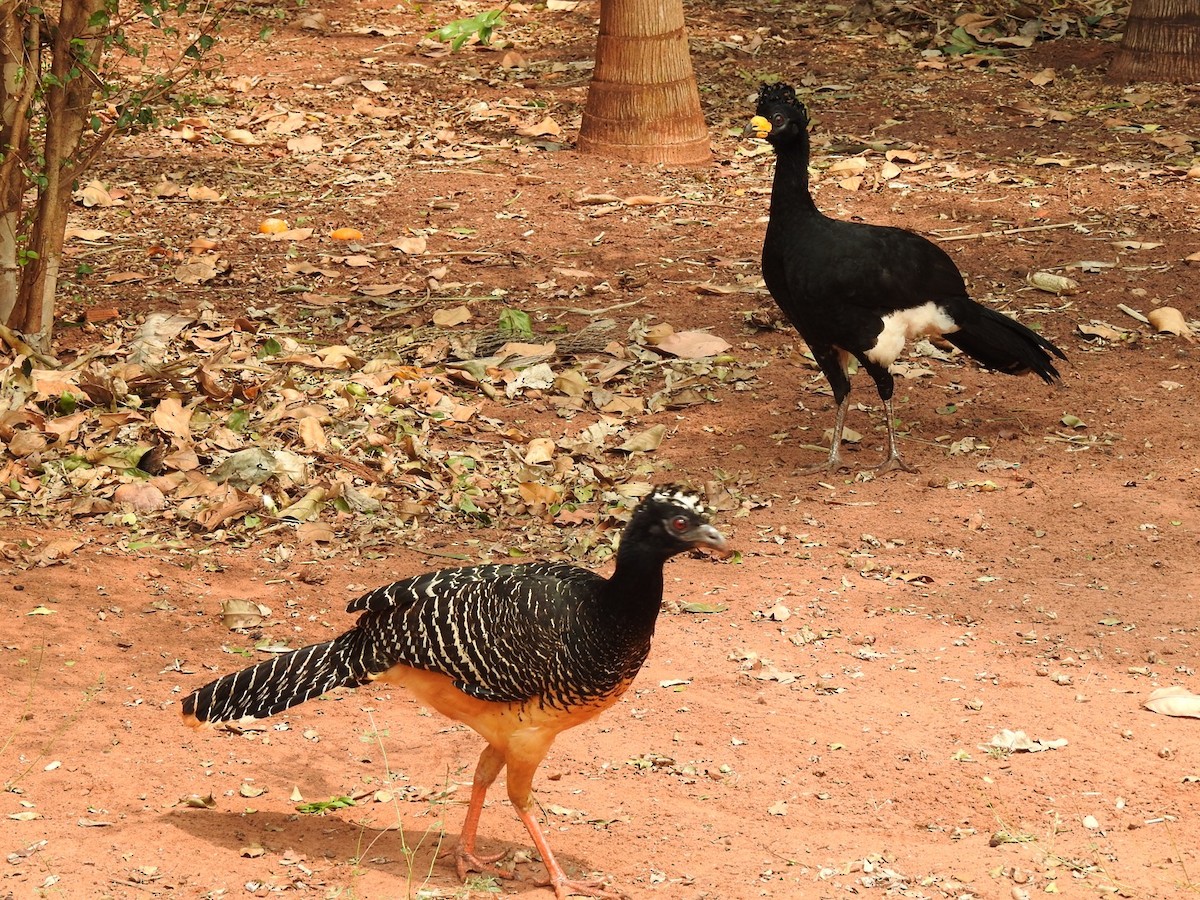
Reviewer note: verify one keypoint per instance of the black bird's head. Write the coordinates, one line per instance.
(780, 117)
(671, 520)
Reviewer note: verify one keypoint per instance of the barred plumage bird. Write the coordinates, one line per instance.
(517, 652)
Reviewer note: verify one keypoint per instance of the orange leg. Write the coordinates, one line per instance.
(521, 766)
(564, 887)
(491, 761)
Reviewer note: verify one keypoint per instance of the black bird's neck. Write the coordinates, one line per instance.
(789, 191)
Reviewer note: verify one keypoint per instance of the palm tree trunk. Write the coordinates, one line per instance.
(1161, 42)
(643, 104)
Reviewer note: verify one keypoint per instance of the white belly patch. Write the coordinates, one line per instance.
(898, 327)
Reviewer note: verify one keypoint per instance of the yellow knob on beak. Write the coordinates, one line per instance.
(757, 127)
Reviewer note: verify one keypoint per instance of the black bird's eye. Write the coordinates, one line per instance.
(679, 523)
(777, 119)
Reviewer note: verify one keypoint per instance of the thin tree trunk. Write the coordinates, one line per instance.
(1161, 42)
(68, 100)
(643, 104)
(18, 62)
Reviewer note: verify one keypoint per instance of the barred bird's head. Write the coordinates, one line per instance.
(671, 520)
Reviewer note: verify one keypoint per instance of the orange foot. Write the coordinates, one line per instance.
(565, 888)
(467, 861)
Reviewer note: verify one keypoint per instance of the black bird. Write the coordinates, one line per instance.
(517, 652)
(859, 290)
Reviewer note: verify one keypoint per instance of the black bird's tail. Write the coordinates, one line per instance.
(998, 342)
(276, 684)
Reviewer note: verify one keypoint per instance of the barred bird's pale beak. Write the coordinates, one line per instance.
(706, 535)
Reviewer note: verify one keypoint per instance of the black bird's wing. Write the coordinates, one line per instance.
(836, 280)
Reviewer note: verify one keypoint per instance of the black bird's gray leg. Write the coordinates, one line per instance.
(886, 386)
(833, 364)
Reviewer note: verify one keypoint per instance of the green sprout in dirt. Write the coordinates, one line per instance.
(460, 31)
(320, 807)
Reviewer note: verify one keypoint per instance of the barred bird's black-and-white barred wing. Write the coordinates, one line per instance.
(496, 630)
(499, 631)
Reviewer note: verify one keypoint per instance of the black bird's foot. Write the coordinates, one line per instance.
(834, 463)
(893, 461)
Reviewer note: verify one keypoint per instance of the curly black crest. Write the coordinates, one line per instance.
(780, 93)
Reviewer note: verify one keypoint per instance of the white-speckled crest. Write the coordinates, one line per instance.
(674, 494)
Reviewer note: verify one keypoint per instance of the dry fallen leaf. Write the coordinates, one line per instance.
(316, 21)
(1042, 78)
(86, 234)
(1019, 741)
(448, 318)
(1102, 330)
(95, 194)
(1051, 283)
(305, 143)
(1170, 320)
(547, 127)
(238, 613)
(854, 165)
(411, 246)
(1174, 701)
(198, 270)
(173, 418)
(140, 496)
(539, 450)
(535, 494)
(645, 441)
(693, 344)
(242, 136)
(315, 533)
(204, 194)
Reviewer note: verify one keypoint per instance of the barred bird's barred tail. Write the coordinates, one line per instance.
(275, 684)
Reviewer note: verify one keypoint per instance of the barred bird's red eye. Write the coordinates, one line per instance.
(679, 523)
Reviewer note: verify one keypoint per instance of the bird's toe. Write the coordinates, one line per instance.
(466, 861)
(565, 888)
(895, 462)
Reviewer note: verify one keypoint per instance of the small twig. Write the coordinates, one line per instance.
(1133, 313)
(984, 234)
(589, 312)
(445, 554)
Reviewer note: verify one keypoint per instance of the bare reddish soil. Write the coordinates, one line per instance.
(824, 730)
